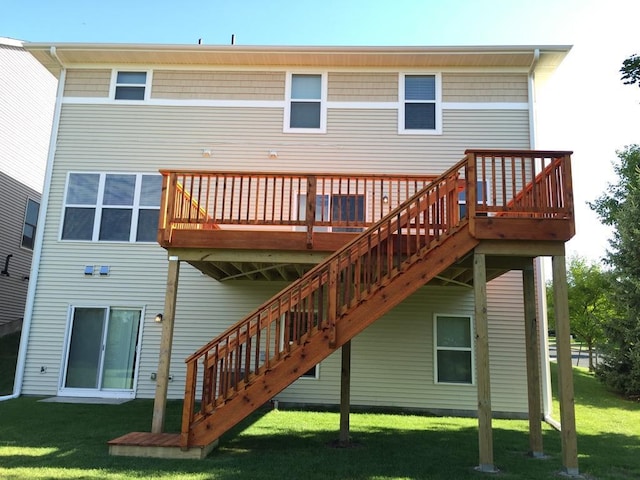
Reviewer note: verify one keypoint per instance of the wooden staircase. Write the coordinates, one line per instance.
(262, 354)
(258, 357)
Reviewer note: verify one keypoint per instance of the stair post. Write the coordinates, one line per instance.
(166, 341)
(311, 208)
(345, 394)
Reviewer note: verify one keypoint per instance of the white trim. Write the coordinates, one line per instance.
(437, 102)
(286, 128)
(364, 105)
(485, 106)
(471, 350)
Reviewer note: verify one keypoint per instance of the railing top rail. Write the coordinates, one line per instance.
(519, 153)
(302, 174)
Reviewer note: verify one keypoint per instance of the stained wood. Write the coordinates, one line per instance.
(166, 342)
(531, 331)
(485, 433)
(565, 370)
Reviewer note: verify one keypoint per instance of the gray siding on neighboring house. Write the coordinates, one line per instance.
(145, 138)
(27, 96)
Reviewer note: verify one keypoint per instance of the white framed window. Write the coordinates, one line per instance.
(30, 224)
(111, 207)
(335, 208)
(482, 196)
(130, 85)
(453, 349)
(420, 104)
(306, 110)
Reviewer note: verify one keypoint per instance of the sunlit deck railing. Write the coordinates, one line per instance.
(495, 184)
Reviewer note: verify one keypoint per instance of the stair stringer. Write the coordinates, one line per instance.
(268, 383)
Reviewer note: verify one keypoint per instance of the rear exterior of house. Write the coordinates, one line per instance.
(26, 111)
(126, 113)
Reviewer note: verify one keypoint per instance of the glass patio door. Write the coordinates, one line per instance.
(102, 351)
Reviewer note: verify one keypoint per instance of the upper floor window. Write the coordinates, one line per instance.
(306, 110)
(420, 106)
(453, 349)
(112, 207)
(130, 85)
(30, 224)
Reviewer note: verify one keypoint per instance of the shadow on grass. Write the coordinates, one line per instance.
(8, 356)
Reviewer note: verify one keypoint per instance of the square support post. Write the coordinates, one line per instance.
(565, 370)
(485, 433)
(166, 342)
(345, 395)
(531, 331)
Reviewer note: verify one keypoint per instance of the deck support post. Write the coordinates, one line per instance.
(565, 370)
(485, 433)
(345, 395)
(531, 331)
(166, 342)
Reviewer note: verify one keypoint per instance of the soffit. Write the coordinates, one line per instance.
(365, 57)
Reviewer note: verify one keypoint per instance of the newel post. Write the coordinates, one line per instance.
(310, 208)
(471, 194)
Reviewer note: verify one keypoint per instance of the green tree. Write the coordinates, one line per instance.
(631, 70)
(619, 207)
(590, 305)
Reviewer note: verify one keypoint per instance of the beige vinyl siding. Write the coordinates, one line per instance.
(155, 137)
(144, 138)
(202, 85)
(87, 83)
(13, 203)
(362, 87)
(484, 87)
(393, 359)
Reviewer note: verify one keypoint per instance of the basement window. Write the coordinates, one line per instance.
(453, 349)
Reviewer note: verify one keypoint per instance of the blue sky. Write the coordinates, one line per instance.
(586, 109)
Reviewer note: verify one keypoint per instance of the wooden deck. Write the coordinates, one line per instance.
(157, 445)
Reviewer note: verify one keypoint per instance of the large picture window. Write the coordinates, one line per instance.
(453, 349)
(306, 106)
(420, 106)
(112, 207)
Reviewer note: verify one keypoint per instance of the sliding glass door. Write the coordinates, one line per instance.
(102, 351)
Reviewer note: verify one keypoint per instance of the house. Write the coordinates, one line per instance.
(353, 225)
(27, 96)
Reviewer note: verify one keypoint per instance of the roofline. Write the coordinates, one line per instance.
(297, 48)
(11, 42)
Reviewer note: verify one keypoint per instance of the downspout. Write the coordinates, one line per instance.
(541, 294)
(37, 253)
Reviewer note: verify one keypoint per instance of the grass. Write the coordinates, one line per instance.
(8, 356)
(68, 441)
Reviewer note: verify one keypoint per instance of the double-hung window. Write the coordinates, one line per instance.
(30, 224)
(131, 85)
(306, 109)
(453, 349)
(420, 110)
(116, 207)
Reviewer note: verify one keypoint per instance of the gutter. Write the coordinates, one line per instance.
(37, 254)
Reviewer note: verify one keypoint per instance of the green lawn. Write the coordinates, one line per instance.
(51, 441)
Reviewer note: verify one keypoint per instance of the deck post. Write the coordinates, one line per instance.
(565, 370)
(485, 433)
(345, 394)
(533, 362)
(166, 341)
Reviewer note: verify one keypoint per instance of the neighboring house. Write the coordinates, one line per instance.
(259, 162)
(27, 96)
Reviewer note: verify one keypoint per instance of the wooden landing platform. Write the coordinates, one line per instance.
(156, 445)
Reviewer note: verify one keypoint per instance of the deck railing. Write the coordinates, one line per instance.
(313, 202)
(513, 184)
